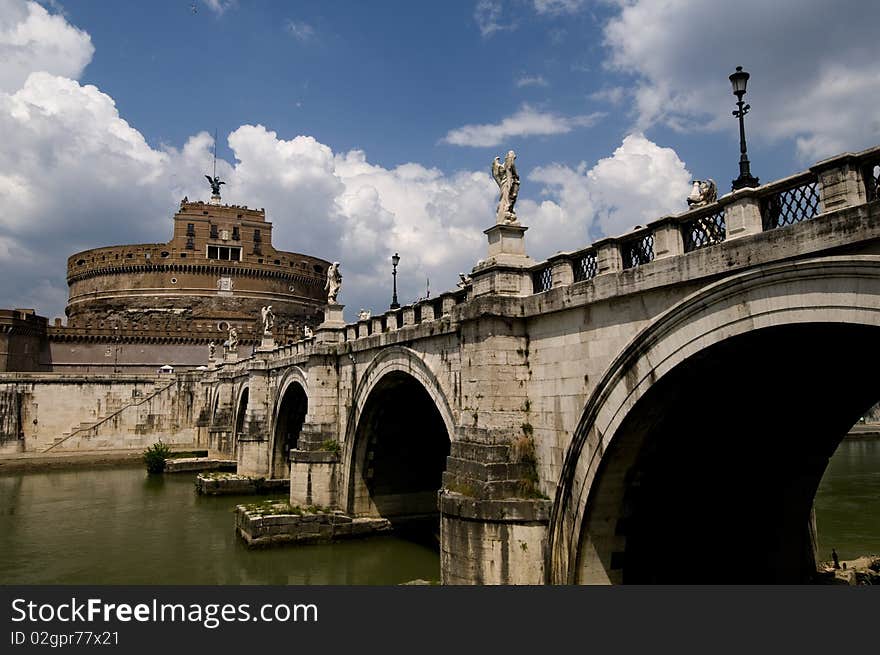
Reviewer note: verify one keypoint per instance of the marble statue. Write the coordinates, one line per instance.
(268, 320)
(463, 280)
(307, 332)
(334, 283)
(508, 183)
(232, 342)
(363, 315)
(703, 193)
(212, 349)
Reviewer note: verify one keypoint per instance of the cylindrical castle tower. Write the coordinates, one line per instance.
(219, 269)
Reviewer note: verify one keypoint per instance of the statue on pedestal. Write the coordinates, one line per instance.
(508, 182)
(215, 183)
(268, 320)
(334, 283)
(232, 341)
(307, 332)
(212, 349)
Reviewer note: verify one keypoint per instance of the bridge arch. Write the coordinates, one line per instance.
(707, 436)
(239, 415)
(288, 416)
(397, 438)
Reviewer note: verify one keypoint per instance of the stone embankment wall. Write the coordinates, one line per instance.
(61, 413)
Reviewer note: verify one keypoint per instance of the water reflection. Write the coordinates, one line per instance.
(124, 527)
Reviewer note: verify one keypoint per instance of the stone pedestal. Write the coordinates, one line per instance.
(506, 269)
(332, 330)
(215, 200)
(267, 344)
(230, 356)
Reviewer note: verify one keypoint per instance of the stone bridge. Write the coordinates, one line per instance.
(657, 407)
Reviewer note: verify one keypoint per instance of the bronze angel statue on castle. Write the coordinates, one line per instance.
(215, 183)
(508, 182)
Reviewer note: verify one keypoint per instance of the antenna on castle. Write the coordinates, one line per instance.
(215, 152)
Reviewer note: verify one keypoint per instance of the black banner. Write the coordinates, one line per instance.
(417, 618)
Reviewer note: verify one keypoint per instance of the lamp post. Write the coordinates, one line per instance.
(395, 260)
(745, 179)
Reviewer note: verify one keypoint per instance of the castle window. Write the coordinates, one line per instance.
(257, 237)
(190, 243)
(190, 229)
(319, 269)
(214, 234)
(235, 235)
(277, 262)
(164, 253)
(225, 253)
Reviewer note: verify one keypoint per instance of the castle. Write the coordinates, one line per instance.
(134, 308)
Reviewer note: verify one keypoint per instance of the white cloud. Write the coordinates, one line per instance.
(531, 80)
(640, 182)
(32, 39)
(556, 7)
(488, 16)
(301, 31)
(526, 122)
(612, 95)
(813, 65)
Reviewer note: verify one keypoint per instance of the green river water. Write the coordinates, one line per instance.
(119, 526)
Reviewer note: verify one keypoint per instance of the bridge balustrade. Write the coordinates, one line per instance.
(584, 265)
(706, 228)
(790, 201)
(638, 250)
(542, 279)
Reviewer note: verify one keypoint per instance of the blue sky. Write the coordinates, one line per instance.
(369, 127)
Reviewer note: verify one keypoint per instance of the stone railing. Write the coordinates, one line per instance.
(843, 181)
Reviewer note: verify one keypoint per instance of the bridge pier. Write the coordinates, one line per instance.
(253, 435)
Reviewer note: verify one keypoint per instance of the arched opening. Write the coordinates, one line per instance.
(711, 476)
(291, 415)
(401, 445)
(240, 413)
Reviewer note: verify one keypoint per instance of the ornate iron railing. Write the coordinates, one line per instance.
(585, 266)
(638, 251)
(703, 231)
(542, 280)
(796, 203)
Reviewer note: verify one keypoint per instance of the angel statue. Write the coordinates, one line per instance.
(232, 341)
(508, 182)
(268, 320)
(334, 283)
(212, 349)
(215, 184)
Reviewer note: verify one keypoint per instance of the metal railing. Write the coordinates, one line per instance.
(703, 230)
(638, 251)
(585, 266)
(792, 201)
(542, 279)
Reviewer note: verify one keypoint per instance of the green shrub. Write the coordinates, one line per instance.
(330, 445)
(155, 455)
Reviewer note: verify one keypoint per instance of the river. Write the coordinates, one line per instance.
(120, 526)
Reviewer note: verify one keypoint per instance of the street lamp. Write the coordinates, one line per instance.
(395, 260)
(745, 179)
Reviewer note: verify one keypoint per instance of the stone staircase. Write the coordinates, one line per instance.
(110, 429)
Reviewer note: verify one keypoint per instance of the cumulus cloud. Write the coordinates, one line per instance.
(640, 182)
(525, 122)
(813, 65)
(32, 39)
